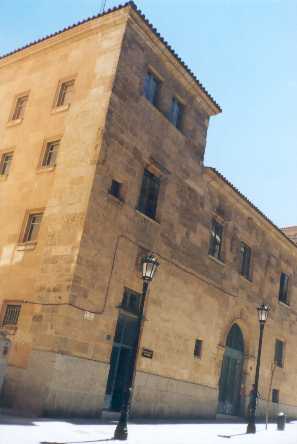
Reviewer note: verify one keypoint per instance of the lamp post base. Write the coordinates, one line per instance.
(251, 428)
(121, 432)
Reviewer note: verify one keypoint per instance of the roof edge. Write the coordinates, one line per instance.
(147, 22)
(242, 196)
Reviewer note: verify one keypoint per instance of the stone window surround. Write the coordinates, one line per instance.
(2, 153)
(27, 245)
(54, 138)
(11, 121)
(66, 106)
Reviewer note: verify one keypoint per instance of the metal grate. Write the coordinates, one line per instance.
(11, 314)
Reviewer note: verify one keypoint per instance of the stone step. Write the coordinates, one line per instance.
(110, 415)
(228, 418)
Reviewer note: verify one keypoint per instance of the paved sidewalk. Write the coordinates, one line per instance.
(14, 430)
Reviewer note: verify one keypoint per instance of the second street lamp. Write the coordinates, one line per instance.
(149, 267)
(263, 311)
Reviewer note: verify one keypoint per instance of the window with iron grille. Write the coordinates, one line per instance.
(283, 288)
(279, 353)
(151, 88)
(65, 93)
(5, 163)
(50, 154)
(245, 260)
(20, 106)
(176, 112)
(32, 227)
(198, 348)
(131, 301)
(275, 396)
(216, 238)
(149, 193)
(11, 315)
(115, 189)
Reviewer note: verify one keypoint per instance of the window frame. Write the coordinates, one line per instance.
(56, 104)
(18, 118)
(145, 208)
(44, 150)
(119, 185)
(211, 250)
(275, 399)
(24, 232)
(198, 349)
(281, 298)
(178, 123)
(245, 269)
(3, 173)
(279, 363)
(159, 81)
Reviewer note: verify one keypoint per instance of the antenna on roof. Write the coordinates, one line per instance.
(103, 5)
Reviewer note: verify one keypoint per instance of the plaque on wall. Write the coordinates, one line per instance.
(146, 353)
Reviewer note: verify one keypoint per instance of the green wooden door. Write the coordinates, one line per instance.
(231, 374)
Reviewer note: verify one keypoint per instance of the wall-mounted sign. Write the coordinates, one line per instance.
(146, 353)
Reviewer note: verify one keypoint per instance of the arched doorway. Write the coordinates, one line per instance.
(231, 373)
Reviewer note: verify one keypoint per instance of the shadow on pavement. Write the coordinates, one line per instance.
(237, 434)
(13, 420)
(77, 442)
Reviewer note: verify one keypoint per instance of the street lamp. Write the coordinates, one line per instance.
(149, 268)
(263, 311)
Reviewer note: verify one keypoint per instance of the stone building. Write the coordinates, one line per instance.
(103, 132)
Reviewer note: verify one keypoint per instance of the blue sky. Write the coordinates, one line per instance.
(243, 51)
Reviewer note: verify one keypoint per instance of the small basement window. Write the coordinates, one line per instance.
(11, 315)
(115, 189)
(198, 348)
(275, 396)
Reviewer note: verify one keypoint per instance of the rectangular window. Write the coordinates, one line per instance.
(5, 163)
(115, 189)
(11, 315)
(32, 227)
(283, 288)
(279, 353)
(275, 396)
(198, 348)
(176, 112)
(216, 238)
(245, 260)
(65, 93)
(20, 106)
(152, 88)
(50, 154)
(149, 193)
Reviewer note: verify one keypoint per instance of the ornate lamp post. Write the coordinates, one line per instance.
(263, 310)
(149, 267)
